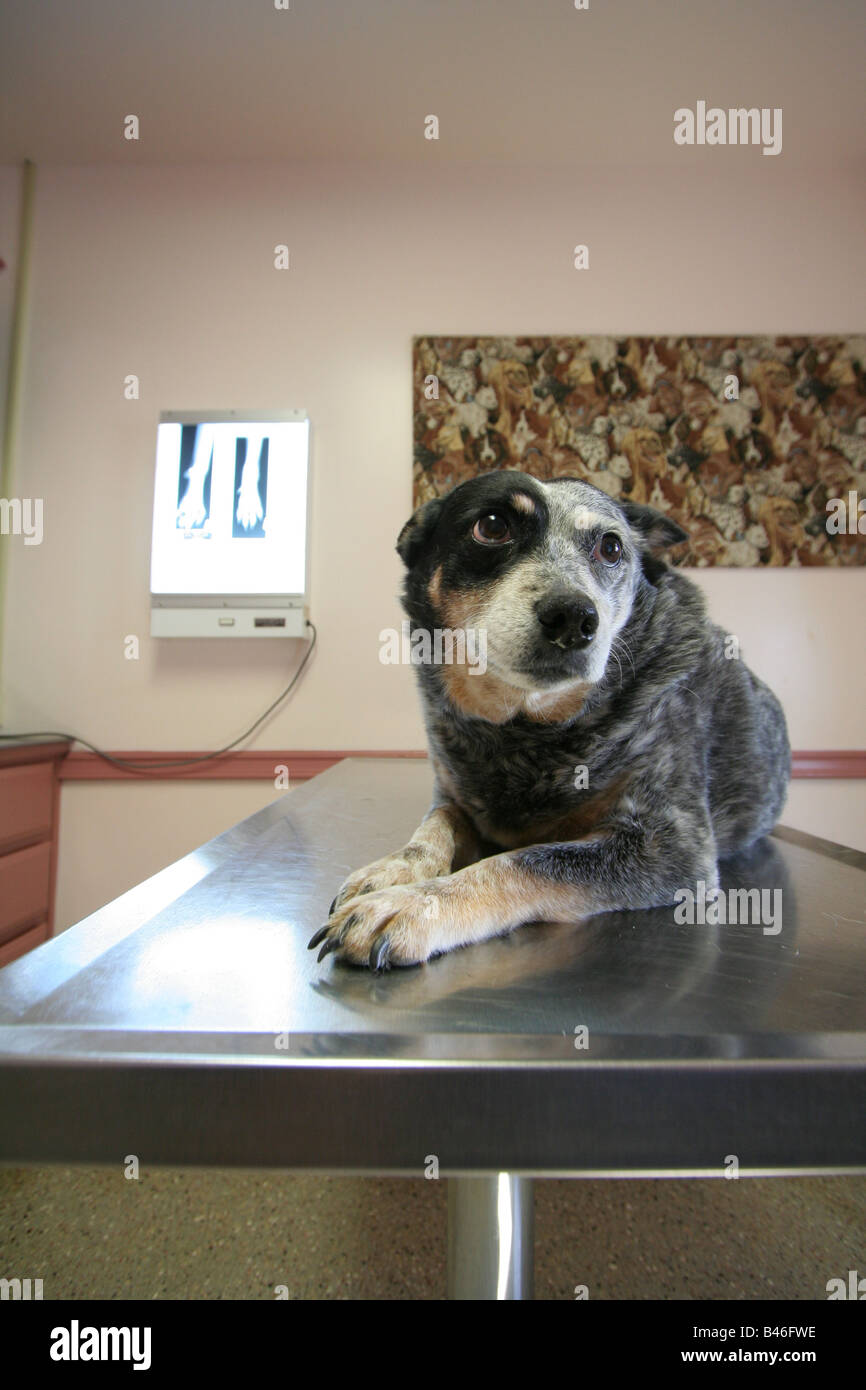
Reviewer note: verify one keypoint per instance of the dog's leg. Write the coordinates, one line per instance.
(249, 511)
(445, 840)
(191, 511)
(633, 867)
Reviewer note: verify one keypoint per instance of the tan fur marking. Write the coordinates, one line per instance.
(584, 518)
(486, 899)
(498, 891)
(523, 503)
(434, 588)
(489, 697)
(586, 822)
(592, 814)
(448, 836)
(555, 708)
(496, 895)
(458, 609)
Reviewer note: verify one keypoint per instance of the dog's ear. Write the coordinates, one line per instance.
(417, 531)
(657, 531)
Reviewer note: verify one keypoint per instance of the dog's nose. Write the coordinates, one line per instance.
(569, 620)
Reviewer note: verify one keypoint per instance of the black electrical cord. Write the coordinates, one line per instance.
(179, 762)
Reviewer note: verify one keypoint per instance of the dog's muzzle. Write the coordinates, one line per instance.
(568, 621)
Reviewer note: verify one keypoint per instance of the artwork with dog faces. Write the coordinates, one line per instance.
(755, 445)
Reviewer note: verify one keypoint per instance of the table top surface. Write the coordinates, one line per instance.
(207, 964)
(215, 946)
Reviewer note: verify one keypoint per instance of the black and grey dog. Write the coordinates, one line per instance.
(610, 752)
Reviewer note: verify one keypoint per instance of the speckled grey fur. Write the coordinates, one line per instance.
(700, 741)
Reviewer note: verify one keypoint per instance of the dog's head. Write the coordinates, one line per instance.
(547, 571)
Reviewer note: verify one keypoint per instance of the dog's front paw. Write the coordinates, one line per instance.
(190, 513)
(413, 864)
(399, 925)
(249, 512)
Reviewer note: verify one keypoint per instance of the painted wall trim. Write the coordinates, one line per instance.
(830, 763)
(255, 765)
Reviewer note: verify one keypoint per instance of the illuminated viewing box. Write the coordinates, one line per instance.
(230, 524)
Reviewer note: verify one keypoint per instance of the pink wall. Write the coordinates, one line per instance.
(167, 273)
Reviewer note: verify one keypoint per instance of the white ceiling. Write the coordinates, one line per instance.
(512, 81)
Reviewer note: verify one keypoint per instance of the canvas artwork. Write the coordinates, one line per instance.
(756, 445)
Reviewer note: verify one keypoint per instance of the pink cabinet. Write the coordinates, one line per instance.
(29, 806)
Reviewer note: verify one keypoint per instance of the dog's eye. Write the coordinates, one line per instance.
(609, 549)
(491, 530)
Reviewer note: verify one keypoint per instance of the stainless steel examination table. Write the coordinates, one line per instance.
(187, 1023)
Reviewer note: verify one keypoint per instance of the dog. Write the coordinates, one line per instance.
(612, 751)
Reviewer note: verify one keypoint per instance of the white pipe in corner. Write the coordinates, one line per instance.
(12, 413)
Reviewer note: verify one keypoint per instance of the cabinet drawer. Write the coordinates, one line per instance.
(19, 945)
(24, 879)
(25, 804)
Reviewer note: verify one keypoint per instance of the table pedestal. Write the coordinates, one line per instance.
(490, 1237)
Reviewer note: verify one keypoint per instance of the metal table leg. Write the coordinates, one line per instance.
(490, 1237)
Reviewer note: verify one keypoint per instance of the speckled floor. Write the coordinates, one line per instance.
(188, 1234)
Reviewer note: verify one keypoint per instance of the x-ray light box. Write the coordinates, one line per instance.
(230, 524)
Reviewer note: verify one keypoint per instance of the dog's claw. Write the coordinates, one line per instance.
(333, 905)
(379, 953)
(319, 936)
(332, 944)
